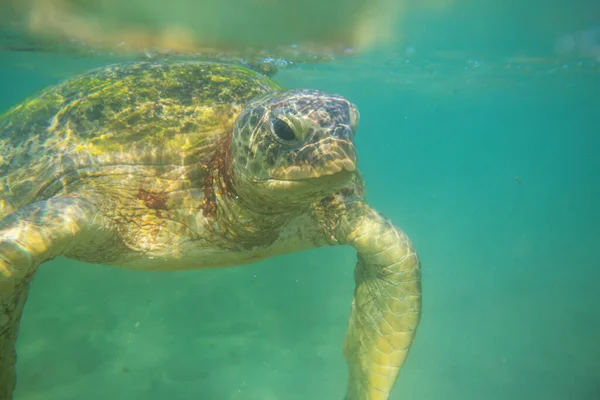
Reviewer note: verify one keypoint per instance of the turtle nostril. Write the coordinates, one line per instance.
(342, 131)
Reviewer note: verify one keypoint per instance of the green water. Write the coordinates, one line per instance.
(490, 165)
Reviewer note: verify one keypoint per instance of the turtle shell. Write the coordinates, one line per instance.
(141, 113)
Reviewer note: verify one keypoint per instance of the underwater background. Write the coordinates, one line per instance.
(479, 136)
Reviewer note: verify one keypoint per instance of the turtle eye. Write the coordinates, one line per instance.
(282, 129)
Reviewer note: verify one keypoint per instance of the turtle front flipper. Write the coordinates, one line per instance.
(28, 237)
(387, 301)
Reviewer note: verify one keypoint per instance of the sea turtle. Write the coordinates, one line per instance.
(162, 165)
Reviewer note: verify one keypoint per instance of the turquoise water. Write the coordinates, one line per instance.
(490, 164)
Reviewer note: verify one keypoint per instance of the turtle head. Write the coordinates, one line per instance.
(294, 146)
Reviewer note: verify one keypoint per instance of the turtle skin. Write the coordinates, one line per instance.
(193, 165)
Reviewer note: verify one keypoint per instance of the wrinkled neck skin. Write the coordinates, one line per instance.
(243, 214)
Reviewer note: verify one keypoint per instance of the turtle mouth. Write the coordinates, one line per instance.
(315, 162)
(332, 169)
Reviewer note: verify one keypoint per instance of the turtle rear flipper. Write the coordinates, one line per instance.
(28, 237)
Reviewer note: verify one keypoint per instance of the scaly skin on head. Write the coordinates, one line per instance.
(294, 147)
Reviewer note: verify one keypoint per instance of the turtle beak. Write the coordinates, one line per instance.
(341, 158)
(336, 157)
(343, 152)
(349, 164)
